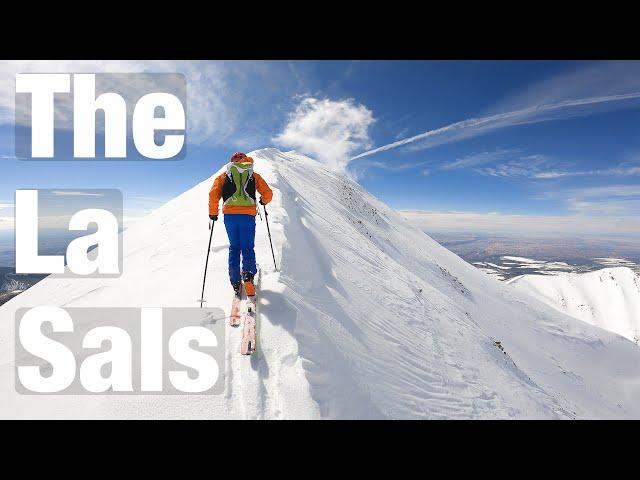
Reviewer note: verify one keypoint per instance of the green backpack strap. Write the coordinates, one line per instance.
(240, 174)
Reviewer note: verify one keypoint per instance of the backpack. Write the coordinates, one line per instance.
(239, 185)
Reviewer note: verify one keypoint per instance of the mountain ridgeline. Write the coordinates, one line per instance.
(368, 317)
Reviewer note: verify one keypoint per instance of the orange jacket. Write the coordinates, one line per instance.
(216, 193)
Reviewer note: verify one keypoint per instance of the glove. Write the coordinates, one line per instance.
(213, 217)
(261, 202)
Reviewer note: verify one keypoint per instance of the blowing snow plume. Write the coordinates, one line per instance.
(329, 130)
(368, 318)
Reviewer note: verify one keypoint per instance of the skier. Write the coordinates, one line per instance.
(237, 186)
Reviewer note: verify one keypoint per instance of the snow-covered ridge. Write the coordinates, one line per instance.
(368, 318)
(608, 298)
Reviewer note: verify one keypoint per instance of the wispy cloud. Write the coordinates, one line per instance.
(226, 101)
(362, 165)
(539, 167)
(622, 170)
(402, 133)
(518, 225)
(621, 201)
(580, 80)
(536, 166)
(478, 126)
(476, 159)
(71, 193)
(330, 130)
(606, 191)
(597, 87)
(6, 222)
(145, 199)
(360, 169)
(497, 164)
(627, 207)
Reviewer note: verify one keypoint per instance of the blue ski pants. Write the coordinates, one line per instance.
(241, 230)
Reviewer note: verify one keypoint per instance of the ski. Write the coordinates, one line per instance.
(248, 343)
(236, 303)
(249, 316)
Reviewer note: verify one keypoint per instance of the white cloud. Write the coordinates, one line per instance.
(329, 130)
(523, 225)
(223, 98)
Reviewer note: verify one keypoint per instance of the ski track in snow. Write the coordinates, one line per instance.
(368, 318)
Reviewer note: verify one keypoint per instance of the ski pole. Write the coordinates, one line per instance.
(206, 264)
(266, 218)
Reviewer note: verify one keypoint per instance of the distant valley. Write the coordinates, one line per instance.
(507, 257)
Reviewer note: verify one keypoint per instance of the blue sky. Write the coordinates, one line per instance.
(540, 147)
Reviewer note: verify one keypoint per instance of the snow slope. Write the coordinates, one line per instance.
(608, 298)
(368, 318)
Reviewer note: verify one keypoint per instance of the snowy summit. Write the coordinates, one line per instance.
(367, 318)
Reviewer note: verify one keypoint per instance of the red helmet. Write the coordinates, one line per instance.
(238, 156)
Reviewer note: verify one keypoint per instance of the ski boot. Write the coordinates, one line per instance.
(249, 287)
